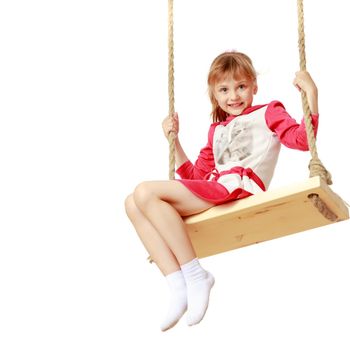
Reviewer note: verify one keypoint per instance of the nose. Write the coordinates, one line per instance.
(233, 95)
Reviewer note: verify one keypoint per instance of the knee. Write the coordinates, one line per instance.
(142, 195)
(130, 206)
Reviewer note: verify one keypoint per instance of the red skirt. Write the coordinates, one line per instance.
(213, 192)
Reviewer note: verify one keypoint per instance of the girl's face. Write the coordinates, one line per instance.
(234, 96)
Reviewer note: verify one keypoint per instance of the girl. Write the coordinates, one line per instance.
(238, 161)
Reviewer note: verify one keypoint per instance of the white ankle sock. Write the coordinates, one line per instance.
(178, 300)
(199, 283)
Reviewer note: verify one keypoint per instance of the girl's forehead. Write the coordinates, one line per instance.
(230, 79)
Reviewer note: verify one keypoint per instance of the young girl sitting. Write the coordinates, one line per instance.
(237, 161)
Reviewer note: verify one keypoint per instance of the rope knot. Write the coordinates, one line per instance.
(318, 169)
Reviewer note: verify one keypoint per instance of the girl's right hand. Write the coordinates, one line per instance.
(171, 124)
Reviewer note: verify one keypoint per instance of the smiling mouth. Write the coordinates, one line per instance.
(235, 105)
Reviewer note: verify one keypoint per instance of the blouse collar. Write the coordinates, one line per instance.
(246, 111)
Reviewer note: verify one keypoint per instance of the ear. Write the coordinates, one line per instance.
(255, 90)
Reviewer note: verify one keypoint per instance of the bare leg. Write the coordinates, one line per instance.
(156, 209)
(164, 203)
(151, 239)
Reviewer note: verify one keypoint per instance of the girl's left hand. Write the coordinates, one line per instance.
(304, 82)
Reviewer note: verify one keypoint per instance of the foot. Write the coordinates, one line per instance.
(198, 298)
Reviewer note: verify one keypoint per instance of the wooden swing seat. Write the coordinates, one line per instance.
(261, 217)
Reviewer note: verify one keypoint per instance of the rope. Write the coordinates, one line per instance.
(171, 137)
(171, 93)
(315, 166)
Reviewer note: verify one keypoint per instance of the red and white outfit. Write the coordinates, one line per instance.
(241, 154)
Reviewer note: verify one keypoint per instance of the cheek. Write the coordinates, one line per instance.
(222, 101)
(218, 96)
(248, 95)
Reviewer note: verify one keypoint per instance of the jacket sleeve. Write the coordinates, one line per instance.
(290, 133)
(204, 163)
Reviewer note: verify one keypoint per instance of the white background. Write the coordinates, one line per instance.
(83, 93)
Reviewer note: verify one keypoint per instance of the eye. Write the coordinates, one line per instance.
(223, 89)
(242, 87)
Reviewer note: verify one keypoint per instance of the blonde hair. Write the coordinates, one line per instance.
(229, 64)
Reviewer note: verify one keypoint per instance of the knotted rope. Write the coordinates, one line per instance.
(316, 167)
